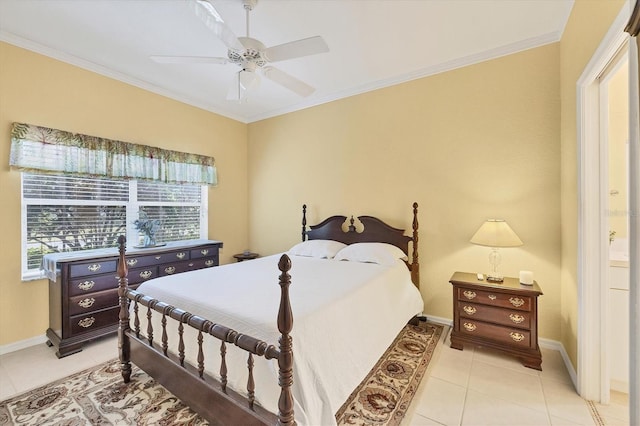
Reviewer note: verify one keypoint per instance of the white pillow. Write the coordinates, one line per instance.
(324, 249)
(380, 253)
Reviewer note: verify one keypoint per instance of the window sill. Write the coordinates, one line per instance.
(33, 276)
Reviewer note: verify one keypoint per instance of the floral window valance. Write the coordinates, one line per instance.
(43, 150)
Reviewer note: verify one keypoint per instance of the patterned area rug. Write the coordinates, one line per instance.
(385, 394)
(98, 396)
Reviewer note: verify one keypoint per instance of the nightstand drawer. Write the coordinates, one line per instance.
(503, 300)
(496, 315)
(512, 336)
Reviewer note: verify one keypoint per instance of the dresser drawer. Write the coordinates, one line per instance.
(140, 275)
(93, 302)
(190, 265)
(503, 300)
(85, 285)
(513, 336)
(149, 260)
(520, 319)
(92, 268)
(94, 320)
(210, 251)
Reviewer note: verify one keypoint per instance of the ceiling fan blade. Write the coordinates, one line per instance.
(212, 19)
(287, 81)
(188, 59)
(296, 49)
(244, 82)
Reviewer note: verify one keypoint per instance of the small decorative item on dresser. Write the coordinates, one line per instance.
(526, 277)
(499, 316)
(245, 255)
(148, 228)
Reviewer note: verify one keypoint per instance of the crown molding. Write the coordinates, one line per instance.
(107, 72)
(486, 55)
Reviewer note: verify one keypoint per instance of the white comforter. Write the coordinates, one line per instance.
(345, 315)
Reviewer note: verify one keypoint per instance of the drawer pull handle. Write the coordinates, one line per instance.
(86, 285)
(181, 255)
(469, 326)
(87, 303)
(516, 301)
(518, 337)
(132, 262)
(492, 297)
(204, 252)
(170, 269)
(208, 262)
(145, 275)
(470, 310)
(94, 267)
(86, 322)
(516, 318)
(158, 257)
(469, 294)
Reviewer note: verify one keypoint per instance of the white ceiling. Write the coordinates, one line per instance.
(373, 43)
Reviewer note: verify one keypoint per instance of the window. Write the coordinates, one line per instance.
(72, 213)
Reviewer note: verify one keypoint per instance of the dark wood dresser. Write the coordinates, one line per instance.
(502, 316)
(83, 299)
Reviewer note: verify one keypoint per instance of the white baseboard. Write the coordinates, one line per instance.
(22, 344)
(544, 343)
(439, 320)
(555, 345)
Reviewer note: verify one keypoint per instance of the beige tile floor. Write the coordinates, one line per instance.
(471, 387)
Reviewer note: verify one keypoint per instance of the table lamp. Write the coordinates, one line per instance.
(495, 233)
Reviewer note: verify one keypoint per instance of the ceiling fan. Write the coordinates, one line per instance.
(250, 54)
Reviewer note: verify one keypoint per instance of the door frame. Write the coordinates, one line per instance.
(592, 371)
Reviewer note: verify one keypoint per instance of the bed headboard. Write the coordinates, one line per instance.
(375, 231)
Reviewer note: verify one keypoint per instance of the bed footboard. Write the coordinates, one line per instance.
(209, 397)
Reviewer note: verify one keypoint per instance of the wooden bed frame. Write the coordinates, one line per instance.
(209, 397)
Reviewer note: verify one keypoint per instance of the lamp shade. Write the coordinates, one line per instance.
(496, 233)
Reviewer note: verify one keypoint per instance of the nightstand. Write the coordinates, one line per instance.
(245, 256)
(501, 316)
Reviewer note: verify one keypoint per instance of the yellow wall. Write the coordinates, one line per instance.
(38, 90)
(588, 23)
(474, 143)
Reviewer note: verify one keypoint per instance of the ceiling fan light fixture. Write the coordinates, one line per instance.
(248, 80)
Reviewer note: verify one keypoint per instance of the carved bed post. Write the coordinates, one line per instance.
(304, 222)
(285, 360)
(123, 323)
(415, 262)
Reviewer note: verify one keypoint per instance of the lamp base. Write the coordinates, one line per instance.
(495, 278)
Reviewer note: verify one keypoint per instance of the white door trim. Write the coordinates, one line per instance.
(592, 229)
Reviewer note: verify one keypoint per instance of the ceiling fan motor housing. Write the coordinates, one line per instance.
(251, 57)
